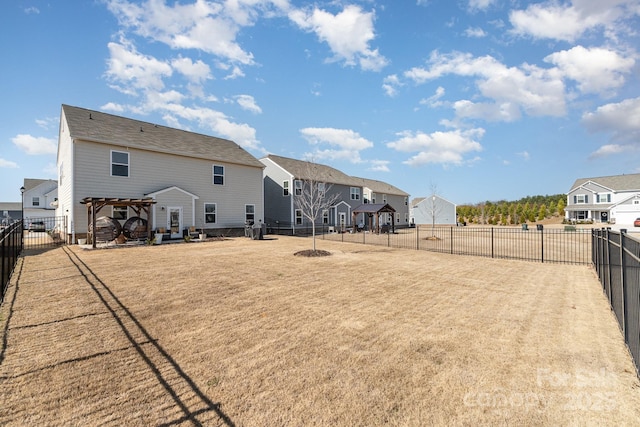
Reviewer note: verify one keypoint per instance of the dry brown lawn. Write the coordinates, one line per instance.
(241, 332)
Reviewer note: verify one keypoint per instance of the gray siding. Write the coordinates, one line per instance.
(276, 206)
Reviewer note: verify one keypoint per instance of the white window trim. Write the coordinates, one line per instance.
(599, 197)
(297, 184)
(285, 188)
(354, 193)
(214, 174)
(581, 196)
(298, 211)
(246, 214)
(128, 164)
(215, 213)
(125, 210)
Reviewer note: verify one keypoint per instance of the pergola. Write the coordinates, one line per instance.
(375, 209)
(95, 204)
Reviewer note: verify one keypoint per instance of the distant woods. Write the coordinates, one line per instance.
(528, 209)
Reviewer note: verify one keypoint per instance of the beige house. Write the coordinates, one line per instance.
(197, 181)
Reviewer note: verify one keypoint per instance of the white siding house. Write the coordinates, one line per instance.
(40, 196)
(433, 210)
(614, 199)
(196, 180)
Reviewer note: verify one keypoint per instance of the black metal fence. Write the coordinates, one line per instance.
(616, 257)
(44, 232)
(10, 248)
(568, 245)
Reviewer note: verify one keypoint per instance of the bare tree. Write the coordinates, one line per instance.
(435, 208)
(313, 197)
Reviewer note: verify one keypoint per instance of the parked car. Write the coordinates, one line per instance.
(37, 226)
(636, 223)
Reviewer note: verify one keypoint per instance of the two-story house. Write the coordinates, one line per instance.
(283, 179)
(614, 199)
(195, 180)
(39, 198)
(433, 210)
(376, 192)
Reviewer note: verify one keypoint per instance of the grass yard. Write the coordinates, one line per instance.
(241, 332)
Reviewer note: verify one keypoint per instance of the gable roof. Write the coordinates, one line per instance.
(96, 126)
(301, 169)
(630, 182)
(31, 183)
(380, 187)
(415, 202)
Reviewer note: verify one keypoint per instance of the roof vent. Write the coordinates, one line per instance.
(90, 118)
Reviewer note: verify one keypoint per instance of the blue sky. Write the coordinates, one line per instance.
(479, 99)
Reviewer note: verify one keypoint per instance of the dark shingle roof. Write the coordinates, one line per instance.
(629, 182)
(322, 173)
(106, 128)
(380, 187)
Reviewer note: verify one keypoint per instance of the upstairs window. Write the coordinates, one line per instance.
(580, 199)
(298, 189)
(603, 198)
(285, 188)
(321, 187)
(119, 163)
(355, 193)
(35, 201)
(384, 198)
(218, 175)
(120, 212)
(210, 213)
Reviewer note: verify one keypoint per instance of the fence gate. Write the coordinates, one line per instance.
(44, 232)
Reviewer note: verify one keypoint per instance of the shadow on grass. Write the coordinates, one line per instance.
(178, 377)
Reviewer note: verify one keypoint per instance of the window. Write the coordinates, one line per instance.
(298, 185)
(580, 199)
(406, 201)
(285, 188)
(218, 175)
(210, 213)
(355, 193)
(373, 198)
(35, 201)
(119, 163)
(298, 216)
(250, 213)
(384, 198)
(120, 212)
(603, 198)
(325, 216)
(321, 187)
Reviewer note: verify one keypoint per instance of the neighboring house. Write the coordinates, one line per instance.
(196, 180)
(604, 199)
(433, 210)
(40, 198)
(283, 177)
(375, 191)
(10, 212)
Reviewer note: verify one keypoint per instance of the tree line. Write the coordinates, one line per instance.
(527, 209)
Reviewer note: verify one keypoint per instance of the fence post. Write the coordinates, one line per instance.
(417, 237)
(388, 237)
(541, 244)
(492, 253)
(608, 271)
(452, 240)
(625, 330)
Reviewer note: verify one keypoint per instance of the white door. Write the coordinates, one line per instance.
(174, 222)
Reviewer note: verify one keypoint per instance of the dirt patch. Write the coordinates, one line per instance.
(312, 253)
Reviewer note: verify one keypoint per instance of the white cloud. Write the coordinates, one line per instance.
(130, 71)
(434, 100)
(379, 165)
(208, 26)
(438, 147)
(597, 70)
(390, 85)
(32, 10)
(524, 154)
(34, 145)
(347, 33)
(480, 4)
(611, 149)
(113, 107)
(345, 144)
(8, 164)
(508, 90)
(475, 32)
(571, 20)
(195, 72)
(621, 119)
(247, 102)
